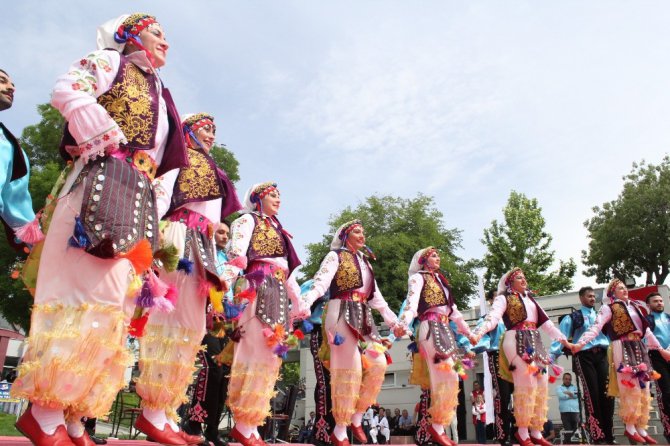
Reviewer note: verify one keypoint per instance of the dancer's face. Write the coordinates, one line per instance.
(519, 283)
(153, 39)
(621, 292)
(356, 238)
(206, 135)
(6, 91)
(433, 261)
(588, 299)
(221, 235)
(271, 203)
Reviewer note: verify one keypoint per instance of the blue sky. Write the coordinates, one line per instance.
(340, 100)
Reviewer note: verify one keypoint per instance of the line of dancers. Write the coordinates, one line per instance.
(129, 249)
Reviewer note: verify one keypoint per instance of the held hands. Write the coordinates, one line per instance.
(300, 311)
(399, 331)
(474, 338)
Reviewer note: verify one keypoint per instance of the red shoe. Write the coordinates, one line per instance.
(526, 442)
(634, 437)
(359, 434)
(541, 441)
(246, 441)
(31, 429)
(166, 436)
(190, 439)
(84, 440)
(440, 439)
(335, 442)
(647, 439)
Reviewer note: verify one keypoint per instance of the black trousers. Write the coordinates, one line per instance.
(662, 389)
(570, 420)
(592, 369)
(211, 390)
(324, 423)
(503, 390)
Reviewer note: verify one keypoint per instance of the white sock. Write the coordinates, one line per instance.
(438, 428)
(630, 428)
(357, 418)
(255, 433)
(75, 429)
(523, 432)
(48, 419)
(642, 432)
(245, 429)
(535, 433)
(156, 417)
(340, 431)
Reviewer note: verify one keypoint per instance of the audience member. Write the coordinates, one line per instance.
(479, 418)
(659, 323)
(568, 404)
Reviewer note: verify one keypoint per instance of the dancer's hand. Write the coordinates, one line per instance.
(474, 338)
(665, 354)
(576, 348)
(471, 354)
(399, 331)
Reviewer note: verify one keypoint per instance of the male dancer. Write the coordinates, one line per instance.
(659, 322)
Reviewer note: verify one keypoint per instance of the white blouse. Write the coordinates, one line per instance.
(605, 315)
(324, 276)
(500, 306)
(415, 285)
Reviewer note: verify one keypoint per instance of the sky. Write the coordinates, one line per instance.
(336, 101)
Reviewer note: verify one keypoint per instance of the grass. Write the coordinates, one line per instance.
(7, 428)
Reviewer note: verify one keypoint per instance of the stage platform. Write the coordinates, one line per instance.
(21, 441)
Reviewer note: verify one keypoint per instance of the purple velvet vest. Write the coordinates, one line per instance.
(516, 311)
(202, 180)
(432, 293)
(348, 276)
(132, 101)
(268, 241)
(622, 323)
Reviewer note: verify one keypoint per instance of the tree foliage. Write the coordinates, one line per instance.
(630, 236)
(520, 240)
(395, 229)
(225, 159)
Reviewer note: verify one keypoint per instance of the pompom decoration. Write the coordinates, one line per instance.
(163, 305)
(627, 383)
(145, 298)
(255, 278)
(134, 287)
(299, 334)
(307, 326)
(172, 294)
(642, 367)
(238, 262)
(136, 328)
(552, 379)
(267, 332)
(655, 375)
(249, 294)
(412, 347)
(30, 232)
(203, 288)
(627, 369)
(365, 362)
(185, 265)
(216, 299)
(280, 350)
(236, 335)
(158, 287)
(79, 238)
(338, 339)
(140, 256)
(557, 370)
(233, 312)
(389, 360)
(169, 257)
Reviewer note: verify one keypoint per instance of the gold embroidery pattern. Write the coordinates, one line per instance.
(129, 103)
(432, 292)
(199, 180)
(347, 276)
(266, 241)
(516, 311)
(621, 320)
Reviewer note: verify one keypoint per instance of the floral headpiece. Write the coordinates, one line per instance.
(130, 29)
(197, 121)
(348, 227)
(261, 191)
(612, 286)
(511, 274)
(426, 253)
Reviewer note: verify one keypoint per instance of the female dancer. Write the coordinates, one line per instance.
(522, 348)
(355, 377)
(262, 250)
(430, 299)
(192, 200)
(122, 130)
(625, 325)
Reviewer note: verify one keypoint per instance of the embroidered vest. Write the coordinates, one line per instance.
(621, 323)
(348, 276)
(268, 241)
(516, 311)
(432, 293)
(132, 101)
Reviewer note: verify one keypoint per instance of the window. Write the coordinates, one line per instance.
(389, 380)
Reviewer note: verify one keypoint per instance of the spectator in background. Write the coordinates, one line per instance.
(393, 421)
(382, 428)
(568, 405)
(405, 424)
(307, 427)
(548, 431)
(476, 391)
(479, 418)
(367, 423)
(659, 323)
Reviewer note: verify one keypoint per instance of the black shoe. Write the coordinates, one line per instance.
(98, 440)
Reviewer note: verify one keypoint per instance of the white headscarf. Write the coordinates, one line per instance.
(415, 266)
(337, 242)
(106, 31)
(502, 284)
(249, 206)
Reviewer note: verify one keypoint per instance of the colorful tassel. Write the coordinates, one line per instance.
(556, 369)
(239, 262)
(140, 256)
(642, 367)
(299, 334)
(233, 312)
(307, 326)
(412, 347)
(169, 256)
(255, 278)
(185, 265)
(338, 339)
(30, 233)
(468, 363)
(136, 328)
(389, 360)
(145, 298)
(163, 305)
(172, 294)
(158, 287)
(365, 362)
(627, 369)
(655, 375)
(134, 287)
(280, 350)
(79, 238)
(627, 383)
(551, 379)
(216, 299)
(267, 332)
(249, 294)
(203, 288)
(372, 353)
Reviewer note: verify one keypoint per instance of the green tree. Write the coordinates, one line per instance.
(520, 240)
(630, 236)
(395, 229)
(226, 160)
